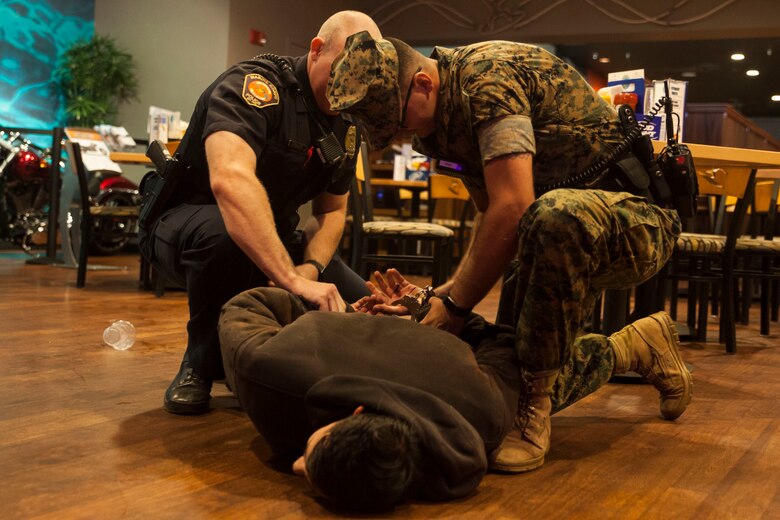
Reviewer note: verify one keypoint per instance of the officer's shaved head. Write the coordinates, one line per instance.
(340, 25)
(328, 43)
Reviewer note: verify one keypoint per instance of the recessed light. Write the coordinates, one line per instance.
(776, 97)
(689, 74)
(752, 72)
(738, 56)
(603, 59)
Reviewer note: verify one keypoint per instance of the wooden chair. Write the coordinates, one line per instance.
(759, 252)
(401, 236)
(444, 187)
(91, 212)
(706, 260)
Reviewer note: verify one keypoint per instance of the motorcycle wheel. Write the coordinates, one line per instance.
(104, 246)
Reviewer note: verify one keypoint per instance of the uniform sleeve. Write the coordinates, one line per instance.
(229, 111)
(500, 107)
(456, 452)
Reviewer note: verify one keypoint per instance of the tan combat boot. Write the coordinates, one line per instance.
(524, 448)
(649, 347)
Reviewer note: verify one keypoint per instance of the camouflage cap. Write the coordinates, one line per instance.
(364, 82)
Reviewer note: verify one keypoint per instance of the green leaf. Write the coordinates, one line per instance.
(94, 77)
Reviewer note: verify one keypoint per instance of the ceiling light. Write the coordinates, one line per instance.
(738, 56)
(603, 59)
(628, 55)
(595, 55)
(689, 74)
(752, 72)
(776, 97)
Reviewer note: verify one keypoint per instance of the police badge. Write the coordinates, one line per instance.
(350, 141)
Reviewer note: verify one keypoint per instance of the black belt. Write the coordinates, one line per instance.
(626, 174)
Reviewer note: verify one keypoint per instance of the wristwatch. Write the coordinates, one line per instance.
(454, 308)
(319, 266)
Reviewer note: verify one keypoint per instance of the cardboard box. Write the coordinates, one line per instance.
(677, 91)
(630, 81)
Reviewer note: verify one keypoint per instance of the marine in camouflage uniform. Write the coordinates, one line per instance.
(493, 101)
(525, 100)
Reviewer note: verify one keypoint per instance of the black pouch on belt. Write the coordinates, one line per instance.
(625, 174)
(157, 187)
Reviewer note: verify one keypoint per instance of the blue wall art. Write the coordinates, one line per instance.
(33, 35)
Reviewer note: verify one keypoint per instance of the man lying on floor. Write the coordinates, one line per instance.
(385, 409)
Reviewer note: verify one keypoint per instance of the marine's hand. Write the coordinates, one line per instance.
(323, 295)
(440, 318)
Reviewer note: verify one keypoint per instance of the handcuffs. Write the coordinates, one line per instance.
(417, 304)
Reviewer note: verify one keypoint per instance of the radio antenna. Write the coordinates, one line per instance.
(670, 137)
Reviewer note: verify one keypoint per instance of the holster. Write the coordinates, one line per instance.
(638, 171)
(625, 174)
(157, 188)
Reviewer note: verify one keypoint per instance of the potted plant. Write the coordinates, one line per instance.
(94, 78)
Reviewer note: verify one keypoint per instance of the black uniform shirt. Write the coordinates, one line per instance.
(252, 101)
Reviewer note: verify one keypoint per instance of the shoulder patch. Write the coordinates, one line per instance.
(259, 92)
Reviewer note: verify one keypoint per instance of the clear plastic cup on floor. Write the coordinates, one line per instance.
(120, 335)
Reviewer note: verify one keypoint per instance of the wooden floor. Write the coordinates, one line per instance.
(83, 433)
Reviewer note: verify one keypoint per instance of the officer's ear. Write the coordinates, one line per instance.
(315, 49)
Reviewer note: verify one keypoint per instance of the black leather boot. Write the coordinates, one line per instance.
(188, 394)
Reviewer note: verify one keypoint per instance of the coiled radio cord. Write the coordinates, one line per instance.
(620, 149)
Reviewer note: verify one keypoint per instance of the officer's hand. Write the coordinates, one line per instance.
(325, 296)
(440, 318)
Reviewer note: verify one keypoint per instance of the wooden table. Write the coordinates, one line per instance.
(709, 156)
(139, 157)
(129, 158)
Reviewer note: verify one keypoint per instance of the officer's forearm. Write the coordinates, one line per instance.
(244, 205)
(323, 233)
(246, 211)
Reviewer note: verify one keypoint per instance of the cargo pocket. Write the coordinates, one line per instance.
(638, 245)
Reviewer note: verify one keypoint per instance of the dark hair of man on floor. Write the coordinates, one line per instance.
(368, 462)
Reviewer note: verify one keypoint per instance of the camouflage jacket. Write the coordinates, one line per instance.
(499, 98)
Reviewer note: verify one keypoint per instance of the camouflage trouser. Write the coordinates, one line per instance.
(572, 245)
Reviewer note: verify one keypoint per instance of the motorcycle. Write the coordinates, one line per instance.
(25, 193)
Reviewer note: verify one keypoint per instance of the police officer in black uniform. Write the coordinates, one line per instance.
(262, 141)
